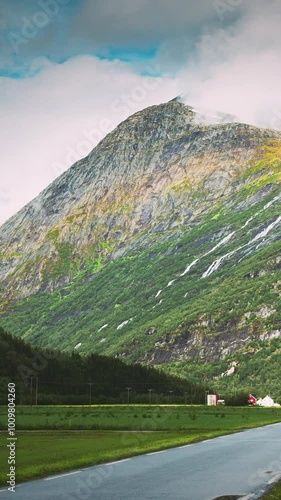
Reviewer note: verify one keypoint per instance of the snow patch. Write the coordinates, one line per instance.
(265, 232)
(158, 293)
(189, 267)
(249, 220)
(222, 242)
(103, 327)
(124, 324)
(277, 198)
(158, 304)
(216, 264)
(171, 282)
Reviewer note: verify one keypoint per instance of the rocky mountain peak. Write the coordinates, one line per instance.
(146, 234)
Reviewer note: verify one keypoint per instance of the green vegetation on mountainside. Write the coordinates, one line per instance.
(116, 311)
(126, 288)
(257, 370)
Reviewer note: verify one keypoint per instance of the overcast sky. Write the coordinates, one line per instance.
(71, 70)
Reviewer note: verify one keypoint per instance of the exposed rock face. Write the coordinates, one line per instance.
(143, 188)
(151, 173)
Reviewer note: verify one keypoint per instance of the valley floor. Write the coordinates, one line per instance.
(61, 438)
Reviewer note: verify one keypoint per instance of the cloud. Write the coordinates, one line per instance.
(141, 22)
(59, 29)
(35, 28)
(223, 54)
(237, 70)
(56, 117)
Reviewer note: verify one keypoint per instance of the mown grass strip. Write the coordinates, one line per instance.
(45, 453)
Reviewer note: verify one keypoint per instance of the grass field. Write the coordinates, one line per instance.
(62, 438)
(274, 493)
(43, 453)
(140, 417)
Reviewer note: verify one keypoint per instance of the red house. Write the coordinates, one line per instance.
(252, 400)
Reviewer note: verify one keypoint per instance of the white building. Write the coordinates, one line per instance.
(267, 401)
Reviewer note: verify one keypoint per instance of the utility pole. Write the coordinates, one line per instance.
(128, 397)
(31, 379)
(36, 394)
(150, 395)
(90, 386)
(206, 397)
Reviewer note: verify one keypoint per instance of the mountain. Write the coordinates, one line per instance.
(162, 246)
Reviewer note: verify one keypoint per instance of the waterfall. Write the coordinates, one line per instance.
(102, 328)
(264, 233)
(171, 282)
(216, 264)
(189, 267)
(277, 198)
(222, 242)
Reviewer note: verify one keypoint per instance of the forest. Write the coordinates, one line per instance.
(45, 376)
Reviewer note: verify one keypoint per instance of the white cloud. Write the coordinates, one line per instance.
(64, 28)
(141, 22)
(237, 69)
(51, 119)
(58, 116)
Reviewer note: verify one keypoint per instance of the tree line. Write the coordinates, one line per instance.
(45, 376)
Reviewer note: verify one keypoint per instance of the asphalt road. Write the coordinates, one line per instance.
(239, 464)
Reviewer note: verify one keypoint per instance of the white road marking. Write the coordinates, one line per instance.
(185, 446)
(62, 475)
(118, 461)
(156, 452)
(17, 487)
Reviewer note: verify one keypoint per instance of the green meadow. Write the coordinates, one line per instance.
(53, 439)
(141, 417)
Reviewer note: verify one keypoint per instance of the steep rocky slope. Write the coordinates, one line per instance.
(163, 245)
